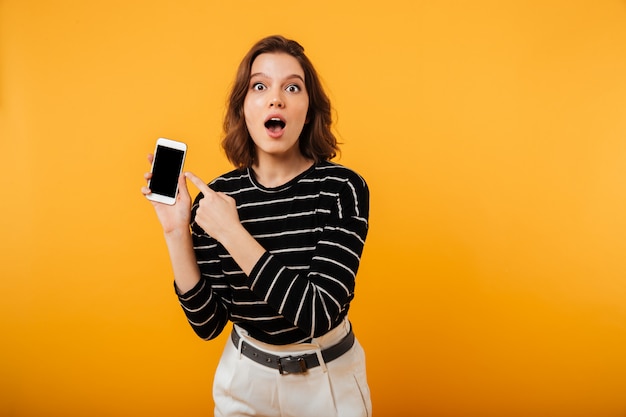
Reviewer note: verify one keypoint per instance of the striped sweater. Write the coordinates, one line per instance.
(313, 230)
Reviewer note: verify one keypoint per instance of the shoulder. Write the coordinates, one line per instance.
(331, 172)
(347, 189)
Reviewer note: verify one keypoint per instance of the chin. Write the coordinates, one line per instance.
(280, 152)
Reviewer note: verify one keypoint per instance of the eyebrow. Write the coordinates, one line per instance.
(261, 74)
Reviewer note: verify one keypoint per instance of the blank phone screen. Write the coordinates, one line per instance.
(166, 169)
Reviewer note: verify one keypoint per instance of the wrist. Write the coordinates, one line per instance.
(232, 236)
(181, 233)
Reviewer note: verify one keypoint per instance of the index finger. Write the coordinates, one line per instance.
(201, 185)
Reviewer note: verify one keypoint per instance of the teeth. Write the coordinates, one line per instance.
(275, 123)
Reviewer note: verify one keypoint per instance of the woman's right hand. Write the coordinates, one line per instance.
(174, 217)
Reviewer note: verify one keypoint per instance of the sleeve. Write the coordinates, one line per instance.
(205, 305)
(316, 299)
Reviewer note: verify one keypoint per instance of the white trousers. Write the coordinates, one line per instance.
(338, 388)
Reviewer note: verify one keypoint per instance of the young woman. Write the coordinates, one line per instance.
(274, 247)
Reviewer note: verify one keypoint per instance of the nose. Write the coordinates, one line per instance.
(277, 102)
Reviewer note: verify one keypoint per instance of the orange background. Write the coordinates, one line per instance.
(493, 137)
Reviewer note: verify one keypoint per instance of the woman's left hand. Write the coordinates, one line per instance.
(217, 212)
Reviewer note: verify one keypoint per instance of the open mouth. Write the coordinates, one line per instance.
(274, 125)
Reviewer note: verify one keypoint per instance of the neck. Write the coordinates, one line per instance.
(272, 173)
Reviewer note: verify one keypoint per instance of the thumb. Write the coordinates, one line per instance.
(183, 190)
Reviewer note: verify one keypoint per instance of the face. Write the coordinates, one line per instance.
(276, 105)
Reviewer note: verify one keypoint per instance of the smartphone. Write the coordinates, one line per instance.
(167, 165)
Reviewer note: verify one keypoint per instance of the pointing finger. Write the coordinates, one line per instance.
(201, 185)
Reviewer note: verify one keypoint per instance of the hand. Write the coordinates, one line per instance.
(172, 217)
(217, 212)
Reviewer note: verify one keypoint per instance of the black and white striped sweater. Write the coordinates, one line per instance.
(313, 229)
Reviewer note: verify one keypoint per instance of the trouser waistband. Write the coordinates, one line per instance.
(292, 364)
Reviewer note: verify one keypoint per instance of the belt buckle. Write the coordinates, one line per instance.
(292, 363)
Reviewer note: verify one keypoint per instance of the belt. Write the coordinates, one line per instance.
(293, 364)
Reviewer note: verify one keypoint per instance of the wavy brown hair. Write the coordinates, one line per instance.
(316, 141)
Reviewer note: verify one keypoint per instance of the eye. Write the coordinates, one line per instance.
(293, 88)
(258, 87)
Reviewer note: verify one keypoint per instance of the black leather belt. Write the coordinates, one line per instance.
(293, 364)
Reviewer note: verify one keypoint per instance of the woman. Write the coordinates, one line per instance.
(274, 247)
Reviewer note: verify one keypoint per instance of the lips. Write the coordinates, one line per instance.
(275, 125)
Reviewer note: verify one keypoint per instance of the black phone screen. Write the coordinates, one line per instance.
(165, 171)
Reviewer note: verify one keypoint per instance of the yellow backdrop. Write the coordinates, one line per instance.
(493, 137)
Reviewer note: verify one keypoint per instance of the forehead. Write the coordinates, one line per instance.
(277, 65)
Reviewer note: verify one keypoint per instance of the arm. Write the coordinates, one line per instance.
(195, 295)
(175, 222)
(204, 304)
(315, 299)
(217, 215)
